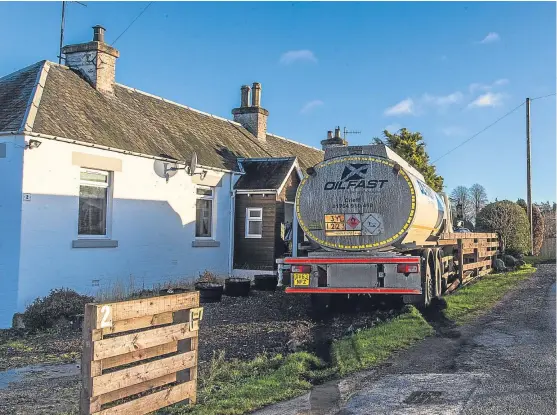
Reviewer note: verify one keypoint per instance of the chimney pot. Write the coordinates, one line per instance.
(329, 135)
(256, 95)
(337, 132)
(98, 33)
(244, 96)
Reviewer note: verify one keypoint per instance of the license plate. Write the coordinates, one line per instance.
(301, 279)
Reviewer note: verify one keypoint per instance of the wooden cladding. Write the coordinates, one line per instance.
(118, 337)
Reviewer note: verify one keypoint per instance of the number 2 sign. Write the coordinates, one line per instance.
(106, 320)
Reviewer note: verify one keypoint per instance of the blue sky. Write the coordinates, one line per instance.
(446, 70)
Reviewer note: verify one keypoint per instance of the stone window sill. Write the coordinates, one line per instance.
(94, 243)
(205, 243)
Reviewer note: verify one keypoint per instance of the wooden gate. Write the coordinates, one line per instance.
(118, 337)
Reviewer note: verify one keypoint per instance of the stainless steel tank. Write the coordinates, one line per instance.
(366, 198)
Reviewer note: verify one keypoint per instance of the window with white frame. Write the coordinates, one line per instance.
(204, 212)
(254, 222)
(95, 193)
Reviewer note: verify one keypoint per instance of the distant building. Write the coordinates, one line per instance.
(89, 196)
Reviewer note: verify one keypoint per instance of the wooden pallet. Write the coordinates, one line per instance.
(118, 337)
(473, 255)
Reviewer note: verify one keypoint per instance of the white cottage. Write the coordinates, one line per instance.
(86, 197)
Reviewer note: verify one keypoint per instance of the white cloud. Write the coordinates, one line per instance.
(292, 56)
(489, 99)
(490, 38)
(443, 100)
(393, 127)
(487, 87)
(453, 131)
(404, 107)
(311, 105)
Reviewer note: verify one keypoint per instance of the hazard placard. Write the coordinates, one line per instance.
(372, 224)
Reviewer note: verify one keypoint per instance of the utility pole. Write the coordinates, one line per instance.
(529, 177)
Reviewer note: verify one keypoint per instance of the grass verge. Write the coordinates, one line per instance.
(469, 302)
(238, 387)
(370, 347)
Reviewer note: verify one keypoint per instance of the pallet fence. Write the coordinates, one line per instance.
(140, 355)
(473, 255)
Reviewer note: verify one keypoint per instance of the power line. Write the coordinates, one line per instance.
(130, 25)
(479, 132)
(543, 96)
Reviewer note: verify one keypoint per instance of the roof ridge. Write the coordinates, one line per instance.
(35, 97)
(23, 69)
(177, 104)
(255, 159)
(295, 142)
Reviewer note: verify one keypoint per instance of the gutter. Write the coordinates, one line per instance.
(116, 150)
(4, 133)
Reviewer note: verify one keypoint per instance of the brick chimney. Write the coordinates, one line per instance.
(95, 60)
(253, 118)
(336, 141)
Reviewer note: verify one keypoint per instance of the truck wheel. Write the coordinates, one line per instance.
(438, 277)
(428, 283)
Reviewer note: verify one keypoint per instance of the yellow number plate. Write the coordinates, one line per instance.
(301, 279)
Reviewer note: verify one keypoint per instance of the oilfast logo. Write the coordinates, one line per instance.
(354, 177)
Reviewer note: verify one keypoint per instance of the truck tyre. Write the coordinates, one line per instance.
(438, 272)
(428, 282)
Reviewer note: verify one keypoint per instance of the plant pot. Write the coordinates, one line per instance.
(264, 282)
(237, 287)
(209, 292)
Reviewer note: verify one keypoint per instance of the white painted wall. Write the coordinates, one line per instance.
(153, 222)
(11, 168)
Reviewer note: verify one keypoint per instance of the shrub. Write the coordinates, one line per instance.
(539, 225)
(44, 312)
(509, 220)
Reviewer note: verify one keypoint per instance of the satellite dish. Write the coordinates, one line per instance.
(193, 164)
(165, 169)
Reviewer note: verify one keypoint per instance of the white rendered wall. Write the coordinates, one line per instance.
(153, 222)
(11, 167)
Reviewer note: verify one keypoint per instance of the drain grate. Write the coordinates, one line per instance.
(424, 398)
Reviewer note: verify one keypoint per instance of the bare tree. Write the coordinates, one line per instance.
(460, 196)
(478, 197)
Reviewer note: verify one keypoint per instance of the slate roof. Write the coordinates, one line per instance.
(264, 174)
(15, 90)
(135, 121)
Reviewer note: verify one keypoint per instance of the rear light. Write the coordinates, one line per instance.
(301, 268)
(407, 268)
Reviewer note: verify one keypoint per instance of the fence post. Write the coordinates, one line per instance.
(460, 260)
(90, 334)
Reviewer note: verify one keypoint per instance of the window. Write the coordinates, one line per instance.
(254, 222)
(204, 212)
(94, 203)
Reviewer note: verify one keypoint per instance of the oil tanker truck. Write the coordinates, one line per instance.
(375, 227)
